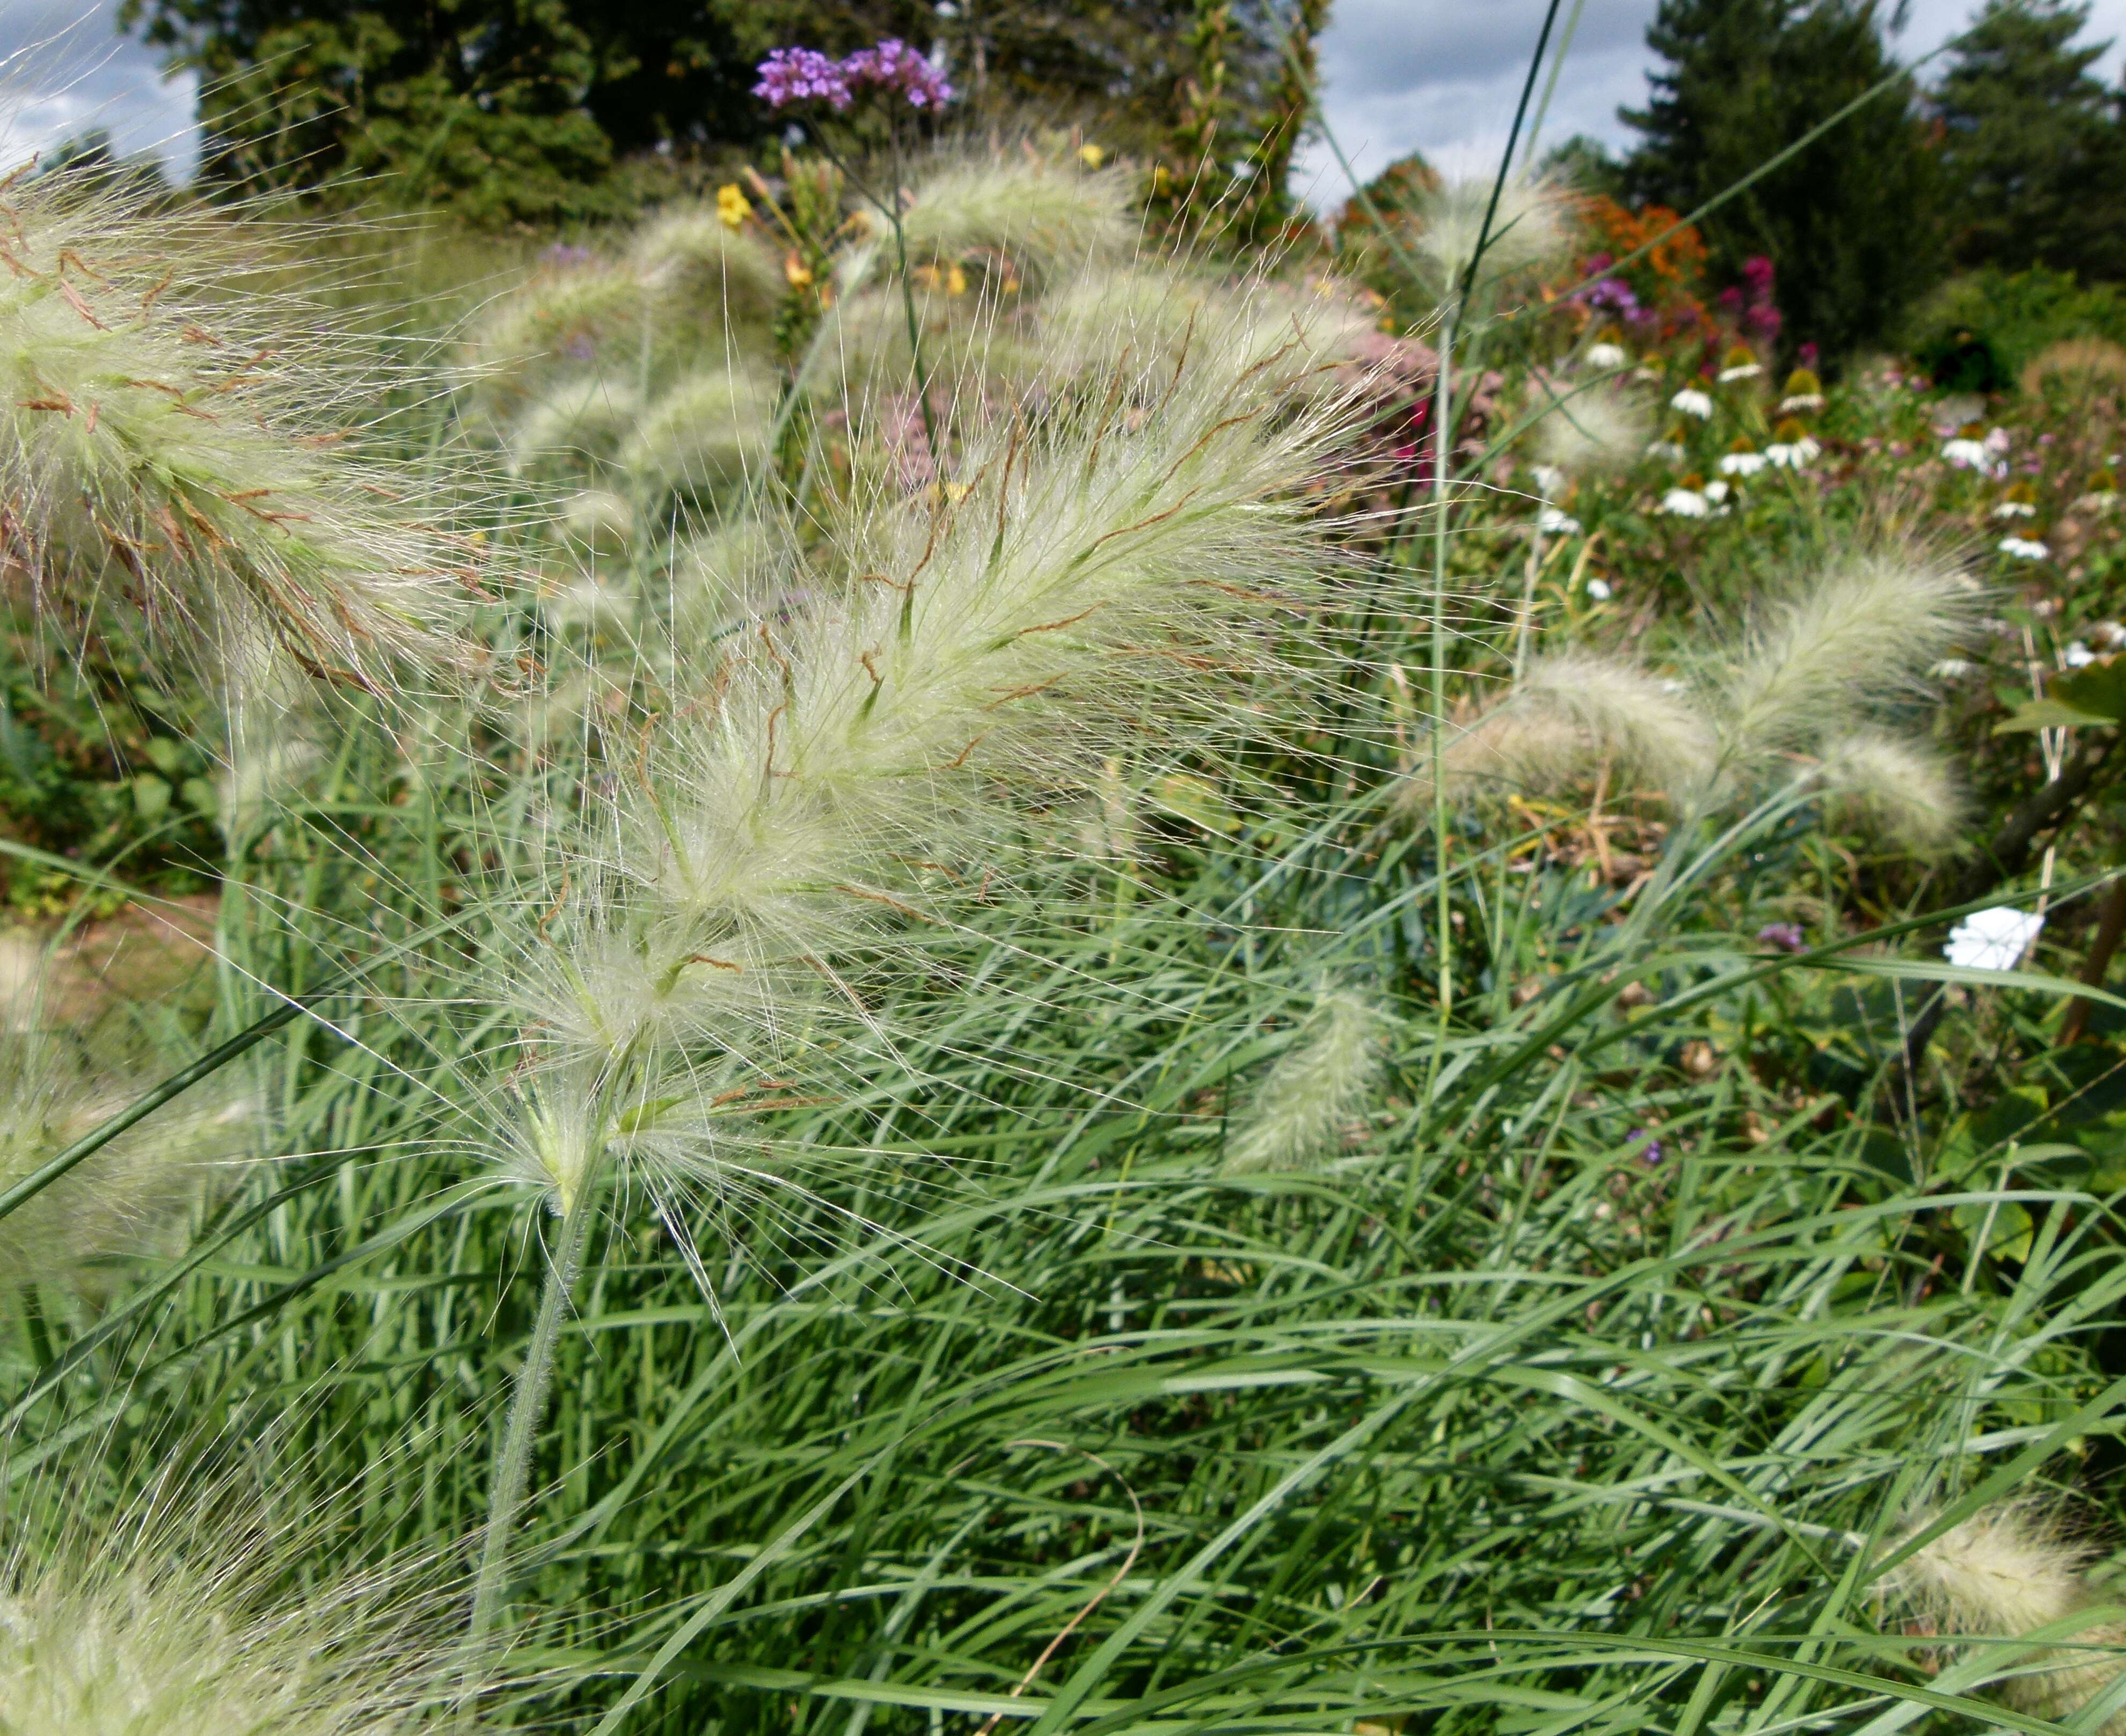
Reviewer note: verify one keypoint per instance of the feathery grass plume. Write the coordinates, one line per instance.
(1569, 715)
(1900, 789)
(1105, 322)
(849, 770)
(1042, 220)
(597, 521)
(1859, 635)
(574, 429)
(950, 649)
(1528, 231)
(123, 1202)
(200, 1612)
(1595, 429)
(171, 435)
(1299, 1115)
(2005, 1572)
(691, 263)
(2090, 364)
(593, 318)
(696, 442)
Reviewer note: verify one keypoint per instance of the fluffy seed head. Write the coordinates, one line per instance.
(1898, 789)
(1042, 220)
(691, 262)
(1101, 582)
(574, 429)
(122, 1202)
(1859, 635)
(2007, 1571)
(1528, 231)
(698, 441)
(1300, 1114)
(172, 435)
(183, 1620)
(1570, 715)
(1598, 429)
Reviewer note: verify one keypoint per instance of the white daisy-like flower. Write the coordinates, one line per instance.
(1549, 480)
(1668, 451)
(1801, 403)
(1740, 370)
(1951, 669)
(1717, 492)
(1992, 940)
(1691, 402)
(2075, 655)
(1554, 523)
(1686, 503)
(1599, 589)
(1607, 356)
(2014, 509)
(2024, 548)
(1742, 463)
(1968, 454)
(2108, 634)
(1793, 455)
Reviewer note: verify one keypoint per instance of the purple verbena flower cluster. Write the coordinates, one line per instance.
(1788, 935)
(1613, 295)
(806, 75)
(896, 68)
(800, 75)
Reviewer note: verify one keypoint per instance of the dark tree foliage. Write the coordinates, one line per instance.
(1852, 222)
(2031, 148)
(516, 110)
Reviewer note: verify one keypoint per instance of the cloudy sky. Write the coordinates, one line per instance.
(1438, 76)
(1443, 76)
(66, 70)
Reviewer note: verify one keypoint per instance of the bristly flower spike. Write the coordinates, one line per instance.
(169, 437)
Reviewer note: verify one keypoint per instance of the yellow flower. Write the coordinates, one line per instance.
(795, 272)
(956, 281)
(1091, 155)
(733, 207)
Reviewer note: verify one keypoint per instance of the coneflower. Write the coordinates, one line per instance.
(173, 438)
(1300, 1113)
(2005, 1572)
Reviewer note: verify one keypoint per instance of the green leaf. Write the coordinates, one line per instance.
(2094, 694)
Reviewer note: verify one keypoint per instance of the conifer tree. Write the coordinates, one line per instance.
(1850, 222)
(2032, 150)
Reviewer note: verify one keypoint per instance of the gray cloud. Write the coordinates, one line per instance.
(64, 70)
(1441, 76)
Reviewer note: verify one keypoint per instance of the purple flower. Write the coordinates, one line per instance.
(1653, 1154)
(1788, 935)
(800, 75)
(564, 256)
(893, 67)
